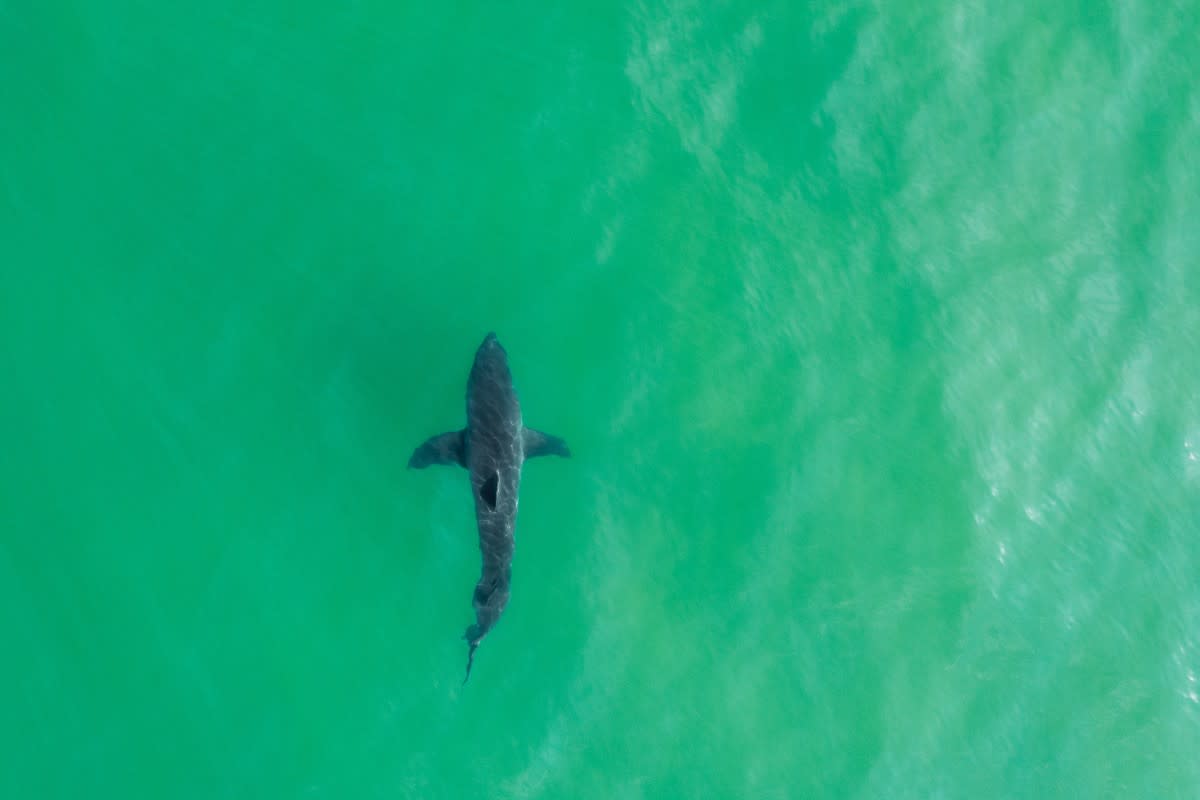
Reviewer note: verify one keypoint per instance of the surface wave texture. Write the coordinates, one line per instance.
(872, 327)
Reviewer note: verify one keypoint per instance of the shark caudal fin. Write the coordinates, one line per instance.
(543, 444)
(445, 448)
(473, 635)
(470, 658)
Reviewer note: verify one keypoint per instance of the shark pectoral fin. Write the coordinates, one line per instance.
(445, 448)
(543, 444)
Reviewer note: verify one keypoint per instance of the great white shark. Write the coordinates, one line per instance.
(493, 447)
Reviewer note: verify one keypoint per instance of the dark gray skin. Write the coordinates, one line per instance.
(493, 447)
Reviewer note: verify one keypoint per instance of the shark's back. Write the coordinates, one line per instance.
(494, 452)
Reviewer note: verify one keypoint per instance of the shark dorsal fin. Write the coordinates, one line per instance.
(488, 490)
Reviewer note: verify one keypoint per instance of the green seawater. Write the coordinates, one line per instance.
(874, 329)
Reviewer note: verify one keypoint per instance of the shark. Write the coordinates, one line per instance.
(493, 447)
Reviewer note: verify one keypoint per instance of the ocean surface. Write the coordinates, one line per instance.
(874, 329)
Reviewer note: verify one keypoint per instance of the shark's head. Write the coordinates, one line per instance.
(491, 355)
(491, 349)
(490, 380)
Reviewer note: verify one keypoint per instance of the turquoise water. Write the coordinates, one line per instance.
(873, 329)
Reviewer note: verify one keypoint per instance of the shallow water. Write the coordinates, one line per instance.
(872, 328)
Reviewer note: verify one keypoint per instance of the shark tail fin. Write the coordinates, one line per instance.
(470, 658)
